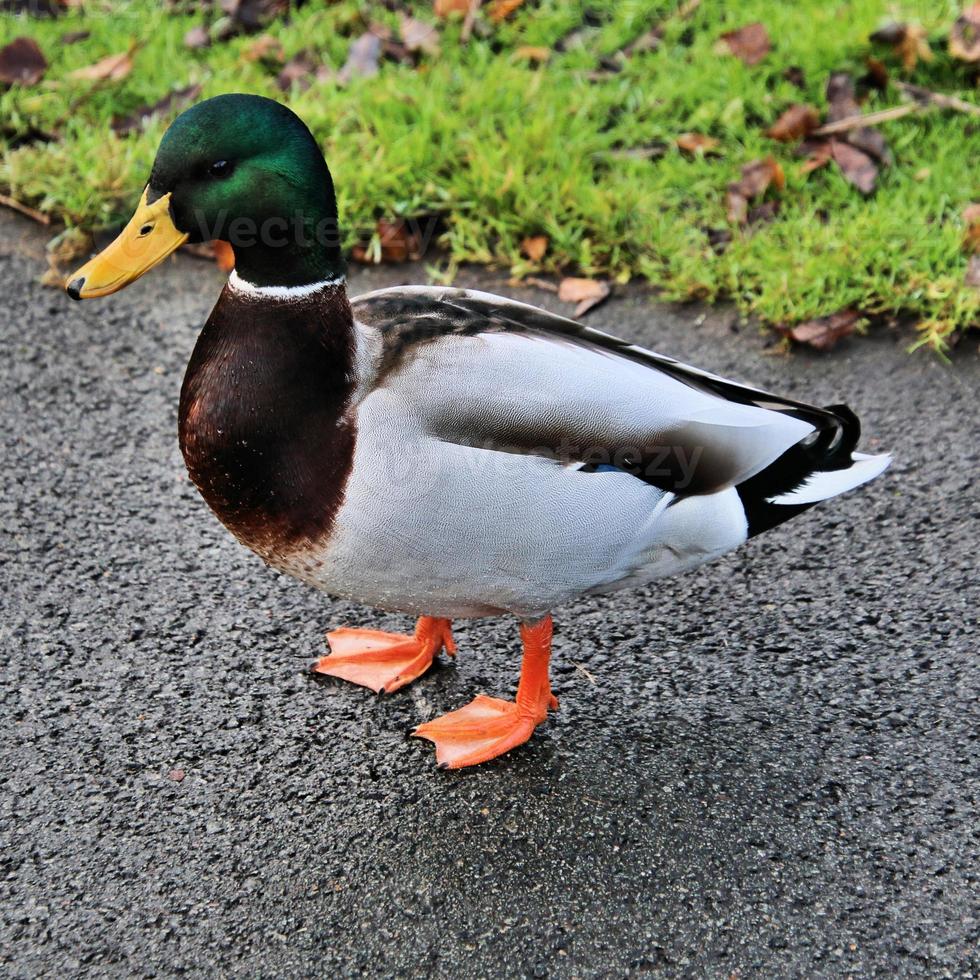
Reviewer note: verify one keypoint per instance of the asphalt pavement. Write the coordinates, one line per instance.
(765, 768)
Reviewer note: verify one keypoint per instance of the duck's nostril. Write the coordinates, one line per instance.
(74, 288)
(146, 229)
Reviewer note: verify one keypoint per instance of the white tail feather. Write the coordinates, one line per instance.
(829, 483)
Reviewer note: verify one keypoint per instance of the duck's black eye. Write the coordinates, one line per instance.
(220, 168)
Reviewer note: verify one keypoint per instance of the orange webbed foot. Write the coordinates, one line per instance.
(488, 727)
(385, 662)
(479, 731)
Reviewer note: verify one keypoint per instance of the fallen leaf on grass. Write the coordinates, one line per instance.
(534, 247)
(197, 38)
(696, 143)
(502, 9)
(908, 41)
(443, 8)
(797, 121)
(528, 52)
(362, 58)
(843, 105)
(972, 277)
(22, 62)
(964, 36)
(971, 223)
(877, 76)
(73, 37)
(264, 48)
(397, 241)
(762, 213)
(857, 167)
(817, 153)
(585, 293)
(756, 178)
(750, 44)
(824, 332)
(417, 35)
(113, 68)
(300, 70)
(139, 118)
(251, 15)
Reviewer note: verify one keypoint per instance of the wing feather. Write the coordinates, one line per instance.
(482, 370)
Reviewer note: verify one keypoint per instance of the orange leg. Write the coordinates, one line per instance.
(385, 662)
(488, 727)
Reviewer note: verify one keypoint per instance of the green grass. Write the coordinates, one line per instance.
(504, 149)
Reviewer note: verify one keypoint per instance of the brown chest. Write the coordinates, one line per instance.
(265, 423)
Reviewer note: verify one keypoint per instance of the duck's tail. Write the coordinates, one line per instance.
(821, 466)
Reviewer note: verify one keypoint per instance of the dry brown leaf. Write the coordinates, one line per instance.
(841, 102)
(763, 213)
(73, 37)
(913, 46)
(972, 277)
(824, 332)
(264, 48)
(139, 118)
(362, 58)
(22, 62)
(818, 153)
(502, 9)
(300, 70)
(534, 247)
(971, 228)
(750, 43)
(443, 8)
(586, 293)
(527, 52)
(964, 36)
(113, 68)
(197, 38)
(696, 143)
(399, 240)
(417, 35)
(908, 41)
(857, 167)
(756, 178)
(843, 105)
(251, 15)
(796, 122)
(877, 76)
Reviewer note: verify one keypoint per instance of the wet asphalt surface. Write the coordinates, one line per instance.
(765, 768)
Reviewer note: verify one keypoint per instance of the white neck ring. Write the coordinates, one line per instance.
(239, 285)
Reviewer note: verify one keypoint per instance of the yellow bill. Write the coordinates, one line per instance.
(147, 240)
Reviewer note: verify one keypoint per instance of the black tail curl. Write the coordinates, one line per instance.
(828, 448)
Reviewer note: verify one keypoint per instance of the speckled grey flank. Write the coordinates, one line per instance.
(764, 769)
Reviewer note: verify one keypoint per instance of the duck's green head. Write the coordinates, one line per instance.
(239, 168)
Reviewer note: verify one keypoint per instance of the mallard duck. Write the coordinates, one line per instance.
(442, 452)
